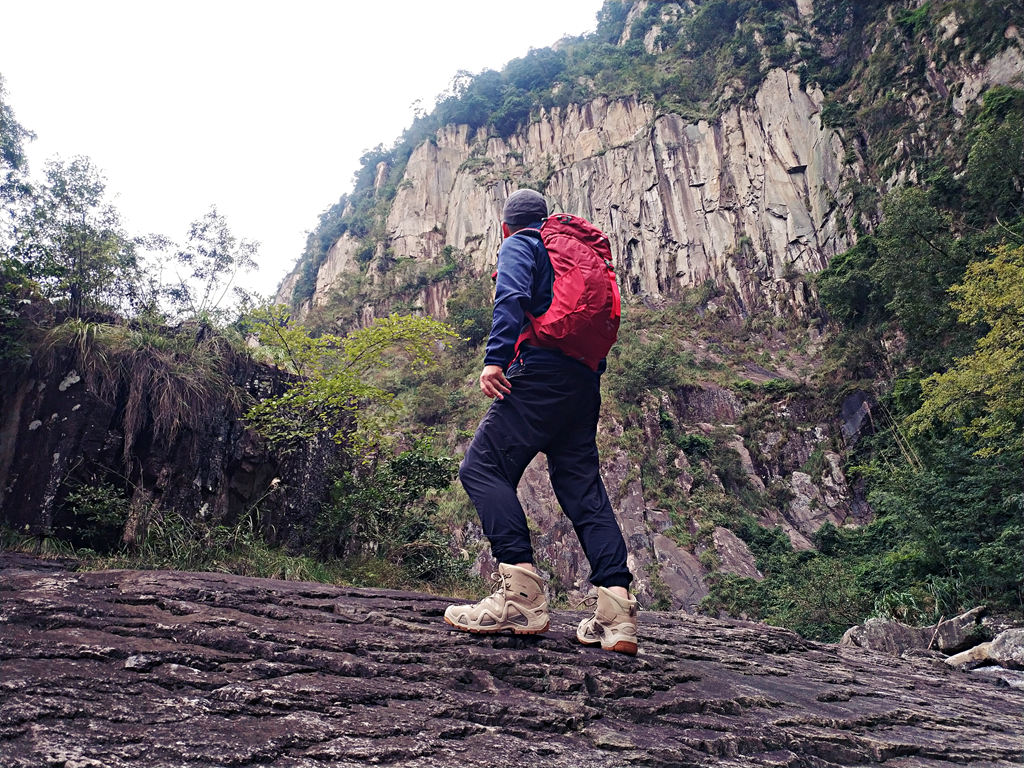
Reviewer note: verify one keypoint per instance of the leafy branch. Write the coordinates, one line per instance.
(336, 392)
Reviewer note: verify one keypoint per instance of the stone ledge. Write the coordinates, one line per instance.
(129, 668)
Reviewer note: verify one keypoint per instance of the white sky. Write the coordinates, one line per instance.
(262, 108)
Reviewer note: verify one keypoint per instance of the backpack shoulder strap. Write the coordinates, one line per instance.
(530, 233)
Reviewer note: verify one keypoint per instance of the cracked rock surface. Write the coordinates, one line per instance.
(132, 668)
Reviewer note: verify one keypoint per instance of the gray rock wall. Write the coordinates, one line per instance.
(745, 200)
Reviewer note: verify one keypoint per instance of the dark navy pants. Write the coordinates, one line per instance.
(552, 409)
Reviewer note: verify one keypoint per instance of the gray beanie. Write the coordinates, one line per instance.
(524, 207)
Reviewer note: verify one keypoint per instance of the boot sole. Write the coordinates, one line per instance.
(498, 630)
(622, 646)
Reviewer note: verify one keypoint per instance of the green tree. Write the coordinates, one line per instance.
(846, 288)
(635, 370)
(72, 243)
(918, 259)
(995, 162)
(15, 286)
(212, 258)
(16, 291)
(13, 165)
(982, 394)
(470, 310)
(955, 527)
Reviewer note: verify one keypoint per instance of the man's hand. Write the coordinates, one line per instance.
(493, 382)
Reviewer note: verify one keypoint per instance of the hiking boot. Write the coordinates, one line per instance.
(518, 604)
(613, 625)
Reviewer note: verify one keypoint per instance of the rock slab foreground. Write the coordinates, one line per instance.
(150, 668)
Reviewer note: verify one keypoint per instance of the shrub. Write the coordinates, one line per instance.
(380, 511)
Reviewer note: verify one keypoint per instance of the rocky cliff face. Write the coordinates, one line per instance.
(741, 201)
(747, 200)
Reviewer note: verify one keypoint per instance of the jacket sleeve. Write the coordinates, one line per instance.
(512, 298)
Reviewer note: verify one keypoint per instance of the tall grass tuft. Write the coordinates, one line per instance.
(169, 380)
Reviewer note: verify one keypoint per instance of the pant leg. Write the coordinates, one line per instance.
(513, 431)
(574, 468)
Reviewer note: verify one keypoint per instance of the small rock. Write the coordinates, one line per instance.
(71, 378)
(1010, 677)
(141, 662)
(1007, 650)
(976, 655)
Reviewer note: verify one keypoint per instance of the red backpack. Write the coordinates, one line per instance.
(583, 319)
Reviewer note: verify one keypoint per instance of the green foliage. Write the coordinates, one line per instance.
(816, 464)
(93, 516)
(611, 20)
(959, 523)
(168, 540)
(335, 394)
(844, 24)
(13, 165)
(695, 445)
(180, 543)
(945, 490)
(769, 388)
(821, 601)
(470, 309)
(918, 261)
(72, 243)
(982, 394)
(900, 606)
(948, 534)
(381, 511)
(900, 277)
(846, 288)
(713, 23)
(816, 595)
(984, 24)
(836, 114)
(635, 370)
(16, 293)
(331, 225)
(913, 21)
(995, 162)
(212, 258)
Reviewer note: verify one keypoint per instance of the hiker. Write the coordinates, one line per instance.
(544, 401)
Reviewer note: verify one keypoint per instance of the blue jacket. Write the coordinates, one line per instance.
(523, 285)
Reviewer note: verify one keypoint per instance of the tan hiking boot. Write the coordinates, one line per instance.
(613, 625)
(517, 604)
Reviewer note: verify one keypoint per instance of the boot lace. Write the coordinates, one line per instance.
(589, 601)
(499, 583)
